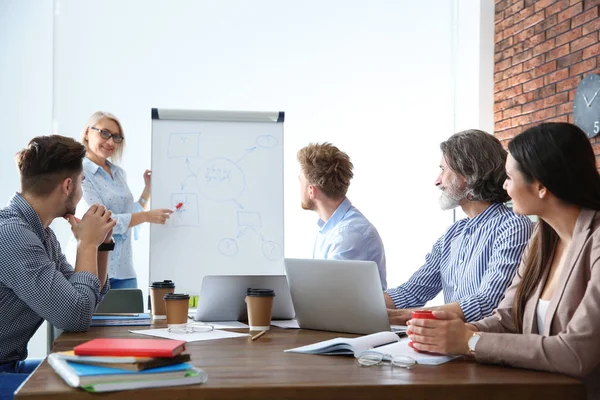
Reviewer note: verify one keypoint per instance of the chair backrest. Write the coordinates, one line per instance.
(51, 334)
(122, 301)
(115, 301)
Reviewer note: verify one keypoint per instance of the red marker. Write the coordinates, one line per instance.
(178, 206)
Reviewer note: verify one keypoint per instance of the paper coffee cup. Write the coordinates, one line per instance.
(260, 307)
(177, 308)
(158, 290)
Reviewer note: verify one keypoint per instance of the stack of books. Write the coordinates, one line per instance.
(104, 365)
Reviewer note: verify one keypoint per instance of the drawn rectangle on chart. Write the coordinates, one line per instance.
(184, 145)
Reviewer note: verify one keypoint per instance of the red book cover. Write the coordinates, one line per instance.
(130, 347)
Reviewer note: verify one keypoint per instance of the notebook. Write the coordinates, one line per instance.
(130, 347)
(130, 363)
(102, 379)
(121, 320)
(386, 343)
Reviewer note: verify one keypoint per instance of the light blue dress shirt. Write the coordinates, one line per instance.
(473, 263)
(348, 235)
(112, 192)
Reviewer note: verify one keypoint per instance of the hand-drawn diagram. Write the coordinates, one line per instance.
(222, 180)
(187, 215)
(219, 179)
(184, 145)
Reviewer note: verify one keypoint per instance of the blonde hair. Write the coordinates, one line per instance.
(97, 116)
(326, 167)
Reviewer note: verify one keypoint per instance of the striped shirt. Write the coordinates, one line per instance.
(348, 235)
(37, 282)
(473, 263)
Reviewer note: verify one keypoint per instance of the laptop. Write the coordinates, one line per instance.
(337, 295)
(222, 297)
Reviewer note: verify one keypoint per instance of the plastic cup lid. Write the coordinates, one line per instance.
(176, 296)
(164, 284)
(260, 292)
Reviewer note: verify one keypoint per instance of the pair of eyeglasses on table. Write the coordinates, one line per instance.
(371, 358)
(190, 327)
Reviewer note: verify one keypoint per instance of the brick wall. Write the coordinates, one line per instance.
(543, 49)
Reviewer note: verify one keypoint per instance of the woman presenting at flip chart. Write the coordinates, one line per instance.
(105, 183)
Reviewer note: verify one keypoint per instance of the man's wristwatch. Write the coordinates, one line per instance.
(472, 342)
(107, 246)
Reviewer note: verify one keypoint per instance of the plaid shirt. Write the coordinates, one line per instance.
(37, 282)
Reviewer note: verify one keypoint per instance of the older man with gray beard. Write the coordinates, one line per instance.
(476, 259)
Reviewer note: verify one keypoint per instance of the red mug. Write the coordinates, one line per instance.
(421, 314)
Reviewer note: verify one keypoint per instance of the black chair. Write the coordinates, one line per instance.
(122, 301)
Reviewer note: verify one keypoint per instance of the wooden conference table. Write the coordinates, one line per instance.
(245, 369)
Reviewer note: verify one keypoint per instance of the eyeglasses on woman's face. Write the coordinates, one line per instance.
(106, 135)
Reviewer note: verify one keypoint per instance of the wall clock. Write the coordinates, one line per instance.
(586, 106)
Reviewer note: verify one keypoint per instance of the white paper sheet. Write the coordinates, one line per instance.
(403, 349)
(228, 325)
(190, 337)
(286, 324)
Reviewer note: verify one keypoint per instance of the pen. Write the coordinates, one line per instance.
(259, 335)
(178, 206)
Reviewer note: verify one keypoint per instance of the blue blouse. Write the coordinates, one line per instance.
(112, 192)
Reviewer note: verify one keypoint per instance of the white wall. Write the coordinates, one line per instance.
(473, 67)
(349, 72)
(25, 94)
(375, 78)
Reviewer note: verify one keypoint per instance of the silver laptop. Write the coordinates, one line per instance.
(222, 297)
(339, 296)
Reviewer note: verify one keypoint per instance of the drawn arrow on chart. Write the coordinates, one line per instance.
(248, 151)
(187, 163)
(184, 182)
(241, 207)
(260, 235)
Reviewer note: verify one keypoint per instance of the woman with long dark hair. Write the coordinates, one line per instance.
(550, 317)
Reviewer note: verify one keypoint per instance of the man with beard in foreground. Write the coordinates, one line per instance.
(36, 281)
(476, 259)
(344, 232)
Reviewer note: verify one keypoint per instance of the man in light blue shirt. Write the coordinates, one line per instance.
(476, 259)
(344, 232)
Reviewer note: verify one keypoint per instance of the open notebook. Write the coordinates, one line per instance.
(387, 343)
